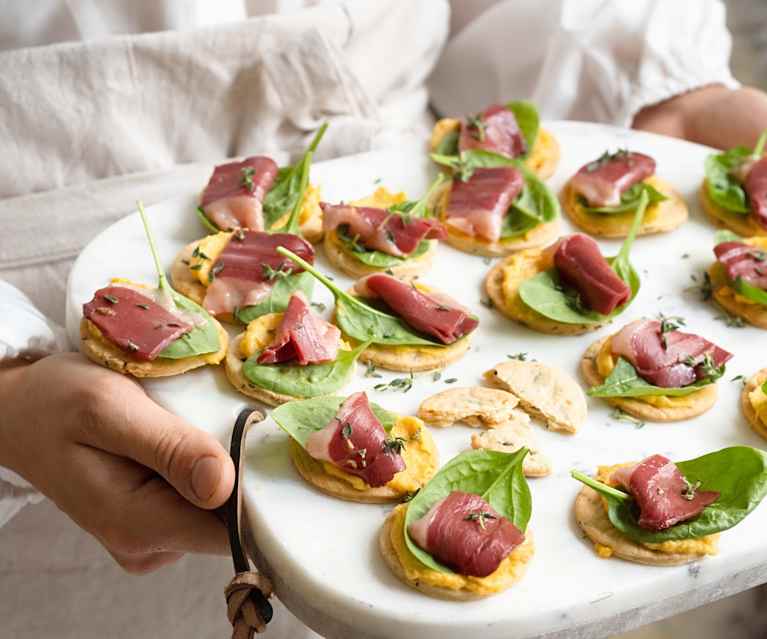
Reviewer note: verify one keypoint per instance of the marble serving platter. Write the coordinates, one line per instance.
(323, 552)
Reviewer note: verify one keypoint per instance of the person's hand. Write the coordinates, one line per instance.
(713, 115)
(124, 469)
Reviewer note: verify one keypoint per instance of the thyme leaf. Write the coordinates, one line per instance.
(690, 489)
(477, 127)
(247, 178)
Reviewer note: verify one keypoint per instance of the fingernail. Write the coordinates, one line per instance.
(206, 475)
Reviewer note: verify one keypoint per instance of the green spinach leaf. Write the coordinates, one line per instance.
(448, 145)
(535, 205)
(495, 476)
(630, 200)
(468, 161)
(361, 321)
(287, 192)
(547, 295)
(205, 221)
(304, 381)
(738, 474)
(528, 121)
(301, 418)
(723, 187)
(198, 341)
(279, 297)
(624, 381)
(725, 235)
(754, 293)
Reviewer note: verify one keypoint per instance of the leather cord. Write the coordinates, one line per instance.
(247, 594)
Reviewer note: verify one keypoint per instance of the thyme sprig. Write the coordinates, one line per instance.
(669, 324)
(398, 384)
(394, 446)
(271, 273)
(690, 489)
(481, 516)
(477, 127)
(247, 178)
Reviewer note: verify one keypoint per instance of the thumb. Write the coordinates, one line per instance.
(191, 460)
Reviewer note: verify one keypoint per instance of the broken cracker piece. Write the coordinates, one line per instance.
(509, 438)
(472, 405)
(543, 391)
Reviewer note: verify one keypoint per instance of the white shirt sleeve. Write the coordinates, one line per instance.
(25, 333)
(584, 59)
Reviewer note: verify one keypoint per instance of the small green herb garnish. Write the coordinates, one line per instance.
(622, 416)
(522, 357)
(318, 306)
(436, 376)
(605, 158)
(346, 431)
(247, 178)
(477, 127)
(271, 273)
(669, 324)
(195, 267)
(451, 380)
(143, 307)
(481, 516)
(394, 446)
(398, 384)
(198, 253)
(739, 378)
(702, 285)
(370, 370)
(111, 299)
(217, 268)
(690, 488)
(731, 321)
(711, 371)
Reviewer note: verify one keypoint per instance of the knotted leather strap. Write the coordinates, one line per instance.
(246, 595)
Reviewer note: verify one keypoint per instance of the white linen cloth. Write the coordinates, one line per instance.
(596, 60)
(89, 127)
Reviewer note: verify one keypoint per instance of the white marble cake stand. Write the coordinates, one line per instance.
(323, 553)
